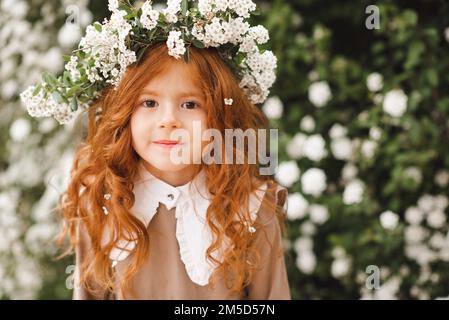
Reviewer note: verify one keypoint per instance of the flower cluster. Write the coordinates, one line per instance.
(108, 48)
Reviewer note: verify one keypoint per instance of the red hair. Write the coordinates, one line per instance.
(107, 163)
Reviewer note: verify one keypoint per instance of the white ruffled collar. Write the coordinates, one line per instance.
(192, 232)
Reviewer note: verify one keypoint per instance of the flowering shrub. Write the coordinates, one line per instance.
(363, 117)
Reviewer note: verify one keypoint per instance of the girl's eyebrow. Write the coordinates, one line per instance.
(179, 95)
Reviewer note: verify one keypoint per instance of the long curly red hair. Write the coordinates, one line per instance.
(105, 162)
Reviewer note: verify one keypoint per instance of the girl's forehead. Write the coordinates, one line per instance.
(176, 78)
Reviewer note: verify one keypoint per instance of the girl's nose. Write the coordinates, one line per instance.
(169, 117)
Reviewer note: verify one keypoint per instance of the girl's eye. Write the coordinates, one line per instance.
(190, 105)
(149, 103)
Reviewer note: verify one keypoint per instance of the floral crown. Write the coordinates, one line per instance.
(108, 48)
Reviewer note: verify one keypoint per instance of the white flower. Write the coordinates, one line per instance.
(308, 228)
(375, 133)
(313, 181)
(395, 103)
(297, 206)
(441, 202)
(175, 45)
(374, 82)
(171, 12)
(338, 252)
(37, 105)
(149, 17)
(342, 148)
(369, 148)
(318, 213)
(337, 131)
(262, 72)
(52, 60)
(287, 173)
(259, 34)
(273, 108)
(306, 262)
(349, 172)
(446, 34)
(353, 192)
(307, 123)
(425, 203)
(340, 267)
(436, 219)
(438, 240)
(415, 234)
(17, 9)
(46, 125)
(20, 129)
(107, 48)
(314, 147)
(113, 5)
(389, 220)
(241, 7)
(319, 93)
(71, 67)
(295, 146)
(442, 178)
(69, 35)
(414, 215)
(414, 173)
(9, 89)
(228, 101)
(303, 244)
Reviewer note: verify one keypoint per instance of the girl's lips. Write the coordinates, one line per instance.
(168, 143)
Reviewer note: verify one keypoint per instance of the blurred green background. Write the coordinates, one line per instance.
(364, 132)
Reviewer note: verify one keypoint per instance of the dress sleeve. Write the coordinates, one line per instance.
(270, 281)
(82, 248)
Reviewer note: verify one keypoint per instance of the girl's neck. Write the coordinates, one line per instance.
(173, 178)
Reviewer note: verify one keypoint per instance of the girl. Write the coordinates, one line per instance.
(146, 228)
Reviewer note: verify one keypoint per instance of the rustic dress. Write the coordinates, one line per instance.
(176, 267)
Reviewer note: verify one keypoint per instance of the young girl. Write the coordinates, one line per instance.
(143, 224)
(145, 228)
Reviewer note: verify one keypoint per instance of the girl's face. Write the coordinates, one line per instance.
(169, 102)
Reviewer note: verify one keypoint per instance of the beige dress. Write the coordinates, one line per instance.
(163, 275)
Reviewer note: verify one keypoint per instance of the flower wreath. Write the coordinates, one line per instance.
(108, 48)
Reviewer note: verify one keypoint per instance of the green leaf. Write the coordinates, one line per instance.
(187, 56)
(37, 89)
(74, 104)
(184, 7)
(256, 12)
(73, 90)
(57, 96)
(98, 26)
(198, 44)
(49, 78)
(140, 53)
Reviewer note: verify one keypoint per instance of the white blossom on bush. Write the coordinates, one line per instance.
(389, 220)
(307, 123)
(287, 173)
(353, 192)
(320, 93)
(314, 147)
(297, 206)
(313, 181)
(395, 103)
(273, 108)
(374, 82)
(319, 214)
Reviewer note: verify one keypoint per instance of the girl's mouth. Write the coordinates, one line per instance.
(167, 143)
